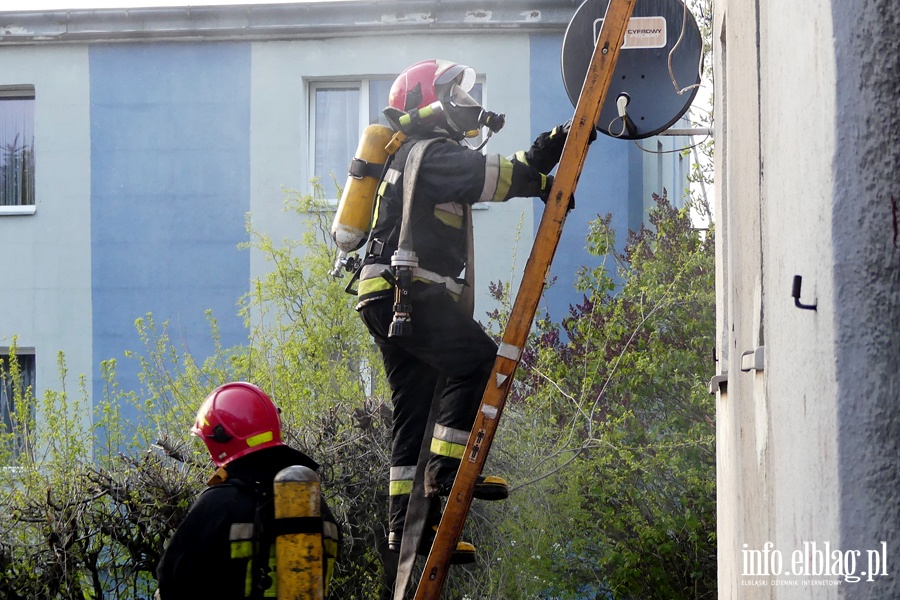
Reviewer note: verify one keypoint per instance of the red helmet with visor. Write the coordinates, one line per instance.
(429, 81)
(237, 419)
(435, 80)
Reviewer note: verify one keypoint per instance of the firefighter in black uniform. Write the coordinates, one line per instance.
(224, 548)
(429, 100)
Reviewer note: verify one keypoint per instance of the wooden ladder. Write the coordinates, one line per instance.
(587, 112)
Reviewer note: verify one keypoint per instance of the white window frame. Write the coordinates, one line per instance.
(361, 85)
(19, 91)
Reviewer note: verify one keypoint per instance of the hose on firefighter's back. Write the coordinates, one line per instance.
(404, 261)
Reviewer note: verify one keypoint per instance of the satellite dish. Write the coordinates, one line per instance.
(642, 85)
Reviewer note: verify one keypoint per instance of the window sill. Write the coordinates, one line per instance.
(325, 206)
(17, 210)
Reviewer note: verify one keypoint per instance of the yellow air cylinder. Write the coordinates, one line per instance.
(354, 212)
(299, 555)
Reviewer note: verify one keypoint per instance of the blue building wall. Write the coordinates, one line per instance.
(170, 187)
(610, 181)
(170, 171)
(151, 152)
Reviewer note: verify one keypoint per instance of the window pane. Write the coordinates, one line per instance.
(16, 151)
(379, 89)
(12, 440)
(337, 133)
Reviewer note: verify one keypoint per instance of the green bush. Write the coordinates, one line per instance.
(607, 436)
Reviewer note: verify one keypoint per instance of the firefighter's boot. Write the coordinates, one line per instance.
(464, 553)
(441, 471)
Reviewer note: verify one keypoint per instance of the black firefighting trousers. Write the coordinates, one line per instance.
(444, 340)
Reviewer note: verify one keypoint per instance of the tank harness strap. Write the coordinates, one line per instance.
(360, 168)
(262, 543)
(375, 248)
(289, 525)
(385, 174)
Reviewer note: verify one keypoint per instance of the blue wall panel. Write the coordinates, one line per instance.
(170, 186)
(604, 186)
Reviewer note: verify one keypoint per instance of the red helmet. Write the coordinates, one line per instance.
(237, 419)
(428, 81)
(435, 80)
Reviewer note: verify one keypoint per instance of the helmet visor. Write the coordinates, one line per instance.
(460, 97)
(460, 75)
(463, 112)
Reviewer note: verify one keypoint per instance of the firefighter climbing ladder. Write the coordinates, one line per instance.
(587, 111)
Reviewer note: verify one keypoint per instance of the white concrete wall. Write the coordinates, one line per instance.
(45, 270)
(741, 465)
(797, 170)
(279, 128)
(796, 464)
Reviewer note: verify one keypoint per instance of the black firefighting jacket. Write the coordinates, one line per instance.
(211, 554)
(450, 177)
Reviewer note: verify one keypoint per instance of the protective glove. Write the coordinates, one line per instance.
(545, 193)
(525, 180)
(567, 126)
(547, 148)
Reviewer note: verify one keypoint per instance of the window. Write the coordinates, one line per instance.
(17, 381)
(17, 150)
(339, 111)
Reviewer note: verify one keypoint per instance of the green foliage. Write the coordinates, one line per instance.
(607, 437)
(80, 525)
(94, 506)
(609, 430)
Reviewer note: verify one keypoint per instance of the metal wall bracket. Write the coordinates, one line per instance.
(754, 360)
(717, 383)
